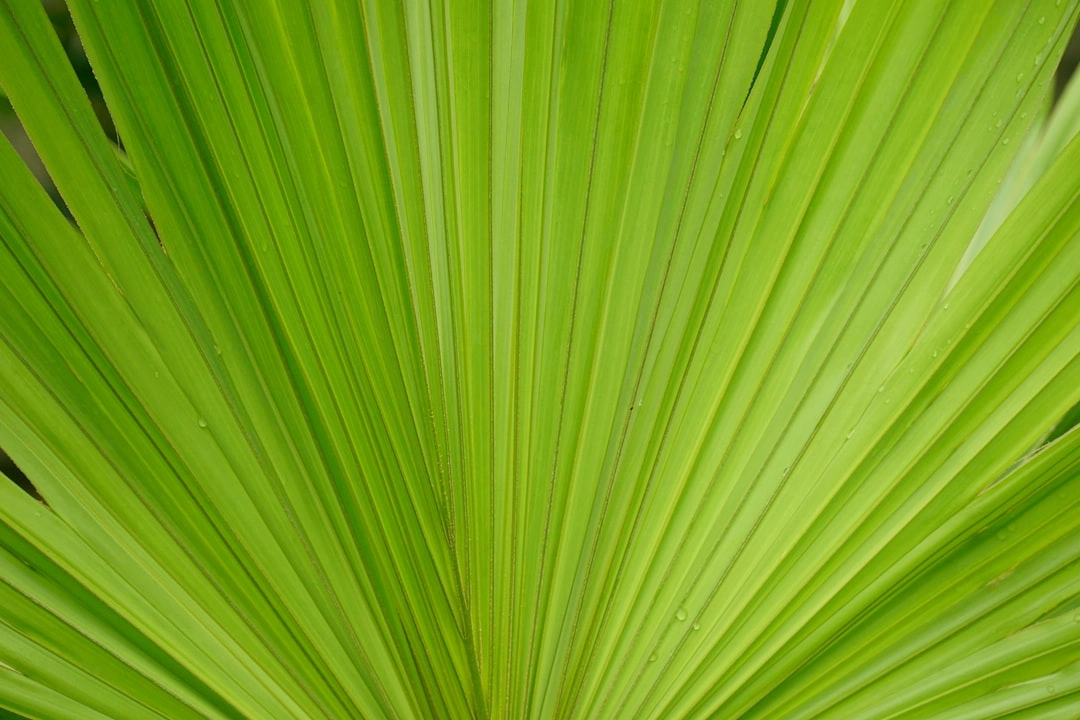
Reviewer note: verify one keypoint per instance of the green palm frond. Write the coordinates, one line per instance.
(548, 359)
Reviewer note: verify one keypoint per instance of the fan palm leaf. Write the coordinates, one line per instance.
(544, 359)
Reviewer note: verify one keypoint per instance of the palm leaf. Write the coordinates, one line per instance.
(550, 359)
